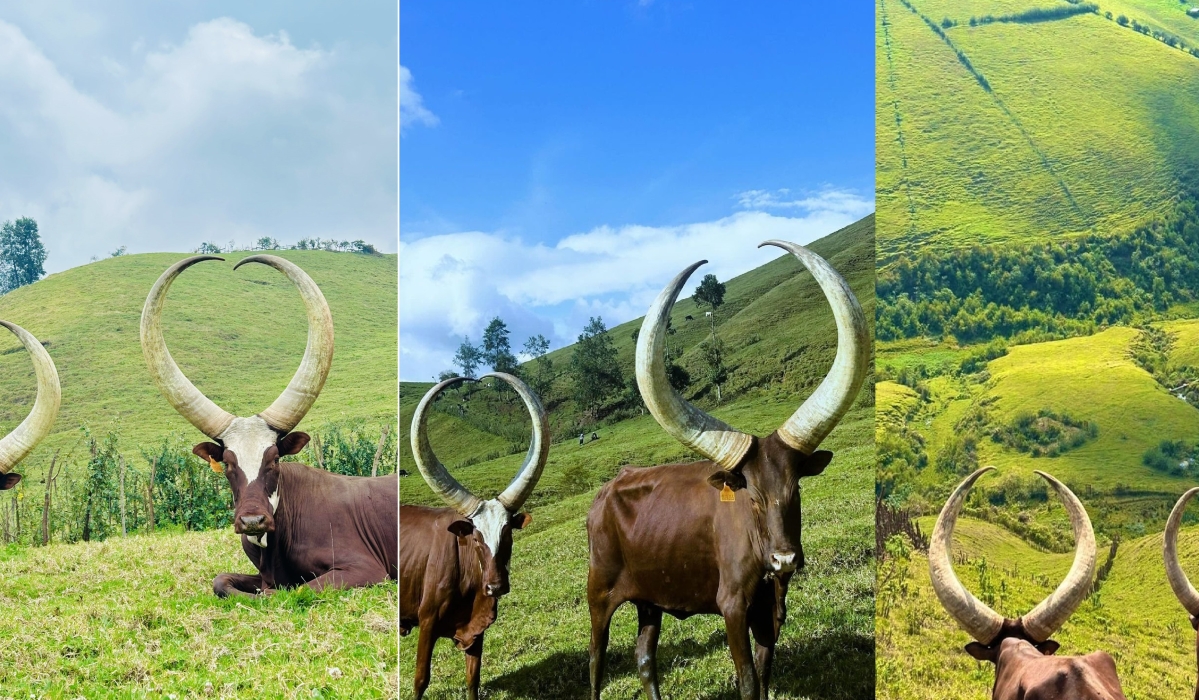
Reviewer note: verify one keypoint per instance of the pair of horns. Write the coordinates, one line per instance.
(814, 419)
(974, 616)
(20, 442)
(291, 406)
(445, 485)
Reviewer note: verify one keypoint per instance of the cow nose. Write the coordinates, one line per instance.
(252, 521)
(494, 590)
(783, 561)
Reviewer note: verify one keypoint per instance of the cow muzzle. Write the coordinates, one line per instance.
(783, 562)
(495, 590)
(252, 525)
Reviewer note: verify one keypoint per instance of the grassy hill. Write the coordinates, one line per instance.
(1028, 130)
(781, 340)
(1134, 616)
(238, 336)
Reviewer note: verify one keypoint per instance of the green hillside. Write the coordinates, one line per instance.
(238, 336)
(1028, 130)
(1134, 616)
(781, 340)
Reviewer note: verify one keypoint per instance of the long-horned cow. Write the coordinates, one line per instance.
(298, 525)
(1185, 592)
(21, 441)
(719, 536)
(1021, 649)
(454, 563)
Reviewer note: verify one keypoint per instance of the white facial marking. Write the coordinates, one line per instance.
(274, 499)
(489, 520)
(249, 438)
(259, 540)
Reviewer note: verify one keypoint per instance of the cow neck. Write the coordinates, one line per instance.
(470, 580)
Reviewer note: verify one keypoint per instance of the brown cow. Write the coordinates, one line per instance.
(1025, 667)
(720, 536)
(454, 563)
(21, 441)
(1186, 593)
(298, 525)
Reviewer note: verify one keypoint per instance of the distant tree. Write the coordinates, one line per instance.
(497, 351)
(593, 367)
(536, 347)
(710, 293)
(21, 254)
(266, 243)
(207, 248)
(118, 252)
(446, 374)
(468, 358)
(635, 335)
(713, 356)
(1108, 14)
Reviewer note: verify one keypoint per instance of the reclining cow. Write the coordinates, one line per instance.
(719, 536)
(20, 442)
(454, 563)
(1021, 649)
(1183, 590)
(298, 525)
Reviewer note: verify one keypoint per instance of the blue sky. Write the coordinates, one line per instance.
(157, 126)
(562, 160)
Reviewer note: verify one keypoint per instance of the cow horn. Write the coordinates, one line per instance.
(288, 410)
(697, 430)
(522, 485)
(1178, 580)
(433, 471)
(974, 616)
(21, 441)
(189, 401)
(821, 412)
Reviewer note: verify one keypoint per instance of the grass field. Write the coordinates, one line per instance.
(1081, 125)
(136, 617)
(538, 646)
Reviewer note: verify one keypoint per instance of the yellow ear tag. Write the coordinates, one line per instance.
(726, 495)
(216, 467)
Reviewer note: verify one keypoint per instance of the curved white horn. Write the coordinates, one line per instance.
(20, 442)
(434, 472)
(526, 478)
(1178, 579)
(697, 430)
(1051, 613)
(973, 615)
(821, 412)
(305, 386)
(193, 405)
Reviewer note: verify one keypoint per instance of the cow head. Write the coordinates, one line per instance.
(486, 526)
(995, 636)
(248, 447)
(20, 442)
(768, 470)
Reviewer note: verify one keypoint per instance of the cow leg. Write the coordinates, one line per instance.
(424, 659)
(348, 578)
(225, 585)
(766, 617)
(649, 620)
(736, 626)
(601, 622)
(474, 660)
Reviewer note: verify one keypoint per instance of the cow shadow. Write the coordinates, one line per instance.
(834, 666)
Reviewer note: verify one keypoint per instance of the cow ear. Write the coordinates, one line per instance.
(1048, 647)
(292, 443)
(7, 481)
(815, 463)
(521, 521)
(980, 652)
(734, 480)
(461, 528)
(209, 452)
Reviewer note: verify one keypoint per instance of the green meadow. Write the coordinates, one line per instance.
(781, 340)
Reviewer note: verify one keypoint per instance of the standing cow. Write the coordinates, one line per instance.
(719, 536)
(454, 564)
(21, 441)
(1025, 667)
(1186, 593)
(298, 525)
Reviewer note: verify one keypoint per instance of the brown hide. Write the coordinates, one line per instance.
(1022, 672)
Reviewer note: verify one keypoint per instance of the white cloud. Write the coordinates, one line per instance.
(829, 200)
(412, 105)
(222, 133)
(453, 284)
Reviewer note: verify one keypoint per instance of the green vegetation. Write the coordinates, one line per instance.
(1045, 433)
(779, 341)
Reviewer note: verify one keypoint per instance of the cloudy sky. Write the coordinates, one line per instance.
(158, 126)
(565, 160)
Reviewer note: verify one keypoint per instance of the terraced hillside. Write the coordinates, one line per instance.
(538, 646)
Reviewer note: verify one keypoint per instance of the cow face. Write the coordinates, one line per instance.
(489, 533)
(769, 475)
(250, 456)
